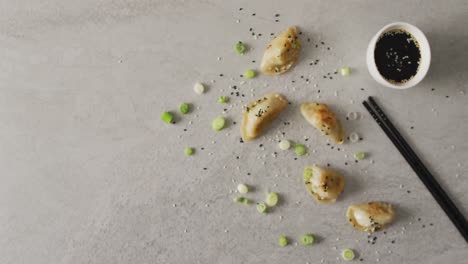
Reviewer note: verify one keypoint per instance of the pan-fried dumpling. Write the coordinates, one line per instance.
(281, 53)
(324, 185)
(371, 216)
(258, 115)
(322, 118)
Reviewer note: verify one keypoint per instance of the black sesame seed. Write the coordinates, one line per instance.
(205, 168)
(240, 9)
(250, 29)
(419, 219)
(412, 127)
(276, 20)
(248, 173)
(328, 48)
(393, 241)
(272, 34)
(323, 43)
(253, 14)
(295, 158)
(446, 96)
(253, 61)
(261, 145)
(316, 46)
(221, 75)
(185, 129)
(408, 191)
(423, 226)
(237, 157)
(202, 148)
(234, 122)
(433, 89)
(277, 15)
(346, 163)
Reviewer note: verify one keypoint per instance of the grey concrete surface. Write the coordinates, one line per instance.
(90, 174)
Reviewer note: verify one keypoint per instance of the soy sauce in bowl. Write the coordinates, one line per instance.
(397, 56)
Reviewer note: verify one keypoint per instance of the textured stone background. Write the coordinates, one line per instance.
(89, 174)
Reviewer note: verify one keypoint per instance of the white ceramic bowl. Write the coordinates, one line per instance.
(423, 46)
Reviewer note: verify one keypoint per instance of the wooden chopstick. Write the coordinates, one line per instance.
(416, 164)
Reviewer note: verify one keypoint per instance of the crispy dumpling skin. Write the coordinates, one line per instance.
(370, 216)
(281, 53)
(325, 185)
(322, 118)
(259, 114)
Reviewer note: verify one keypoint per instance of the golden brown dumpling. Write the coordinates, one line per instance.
(371, 216)
(324, 185)
(322, 118)
(259, 114)
(281, 53)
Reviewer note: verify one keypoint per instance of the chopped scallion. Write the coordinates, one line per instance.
(299, 149)
(307, 239)
(242, 188)
(307, 173)
(282, 241)
(184, 108)
(262, 208)
(218, 123)
(360, 155)
(188, 151)
(344, 71)
(249, 74)
(347, 254)
(222, 99)
(166, 117)
(271, 199)
(240, 48)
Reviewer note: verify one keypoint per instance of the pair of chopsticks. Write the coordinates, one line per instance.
(416, 164)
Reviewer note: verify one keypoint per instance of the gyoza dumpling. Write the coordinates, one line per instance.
(258, 115)
(281, 53)
(371, 216)
(320, 116)
(324, 185)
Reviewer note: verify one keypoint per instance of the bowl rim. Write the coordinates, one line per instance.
(423, 46)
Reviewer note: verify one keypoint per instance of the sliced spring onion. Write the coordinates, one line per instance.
(284, 144)
(218, 123)
(353, 137)
(188, 151)
(184, 108)
(199, 88)
(353, 115)
(282, 241)
(307, 239)
(166, 117)
(360, 155)
(262, 208)
(307, 173)
(241, 200)
(242, 188)
(222, 99)
(271, 199)
(344, 71)
(299, 149)
(249, 74)
(347, 254)
(240, 48)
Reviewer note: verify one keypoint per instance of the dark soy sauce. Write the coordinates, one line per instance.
(397, 56)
